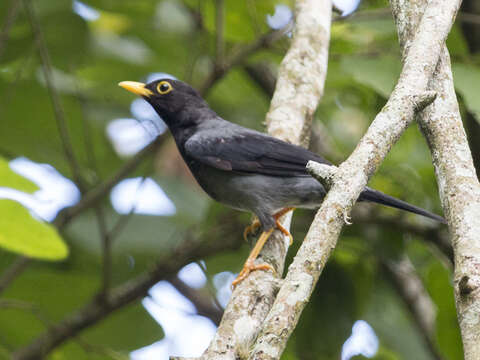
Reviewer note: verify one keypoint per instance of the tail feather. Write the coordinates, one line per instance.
(378, 197)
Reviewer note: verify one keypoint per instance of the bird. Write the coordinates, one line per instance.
(242, 168)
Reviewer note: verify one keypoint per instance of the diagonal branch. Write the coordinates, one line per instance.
(190, 249)
(7, 25)
(352, 177)
(238, 56)
(57, 107)
(410, 287)
(457, 181)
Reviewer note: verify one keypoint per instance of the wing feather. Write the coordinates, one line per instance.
(250, 152)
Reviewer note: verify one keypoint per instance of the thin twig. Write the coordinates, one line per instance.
(190, 249)
(204, 305)
(57, 107)
(102, 189)
(219, 33)
(239, 56)
(13, 271)
(7, 25)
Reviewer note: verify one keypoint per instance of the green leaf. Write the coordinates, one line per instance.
(467, 83)
(379, 73)
(9, 178)
(21, 233)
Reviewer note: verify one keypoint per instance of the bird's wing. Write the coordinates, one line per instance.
(250, 152)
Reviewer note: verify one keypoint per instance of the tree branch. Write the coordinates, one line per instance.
(190, 249)
(239, 56)
(411, 290)
(57, 107)
(219, 29)
(205, 305)
(298, 90)
(352, 177)
(7, 25)
(13, 271)
(457, 181)
(102, 189)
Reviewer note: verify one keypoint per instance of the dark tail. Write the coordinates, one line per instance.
(378, 197)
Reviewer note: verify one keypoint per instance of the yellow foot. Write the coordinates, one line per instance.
(248, 268)
(284, 231)
(251, 229)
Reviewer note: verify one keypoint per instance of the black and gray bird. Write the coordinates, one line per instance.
(243, 168)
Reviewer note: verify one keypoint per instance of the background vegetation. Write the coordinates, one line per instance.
(60, 105)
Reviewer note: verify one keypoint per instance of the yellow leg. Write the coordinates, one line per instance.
(284, 231)
(256, 224)
(277, 216)
(250, 263)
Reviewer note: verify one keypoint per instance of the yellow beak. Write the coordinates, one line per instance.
(136, 88)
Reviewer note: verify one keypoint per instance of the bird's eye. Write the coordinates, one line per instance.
(164, 87)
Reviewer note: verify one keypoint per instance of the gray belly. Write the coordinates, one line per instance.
(260, 193)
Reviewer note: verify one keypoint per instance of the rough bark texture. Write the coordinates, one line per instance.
(298, 90)
(352, 176)
(458, 184)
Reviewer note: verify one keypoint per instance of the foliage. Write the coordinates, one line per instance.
(128, 40)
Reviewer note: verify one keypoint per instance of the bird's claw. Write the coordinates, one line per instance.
(248, 268)
(347, 218)
(251, 229)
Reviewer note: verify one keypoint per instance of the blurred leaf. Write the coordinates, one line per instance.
(467, 80)
(380, 73)
(9, 178)
(21, 233)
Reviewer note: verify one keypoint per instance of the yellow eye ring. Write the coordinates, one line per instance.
(164, 87)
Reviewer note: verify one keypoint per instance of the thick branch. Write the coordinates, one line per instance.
(298, 90)
(352, 177)
(457, 181)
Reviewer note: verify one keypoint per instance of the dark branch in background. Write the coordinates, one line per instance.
(263, 75)
(13, 271)
(219, 30)
(437, 235)
(204, 304)
(102, 189)
(239, 55)
(411, 290)
(57, 107)
(90, 199)
(471, 31)
(7, 24)
(188, 250)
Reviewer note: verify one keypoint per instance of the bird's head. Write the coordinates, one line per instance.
(177, 103)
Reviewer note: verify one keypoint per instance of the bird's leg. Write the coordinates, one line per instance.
(250, 263)
(253, 227)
